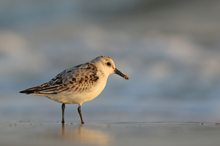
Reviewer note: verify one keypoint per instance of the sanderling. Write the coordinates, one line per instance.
(78, 84)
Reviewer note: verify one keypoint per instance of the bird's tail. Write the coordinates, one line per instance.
(42, 89)
(33, 90)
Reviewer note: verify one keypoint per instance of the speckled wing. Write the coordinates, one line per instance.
(76, 79)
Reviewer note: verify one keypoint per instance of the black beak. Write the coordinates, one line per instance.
(121, 74)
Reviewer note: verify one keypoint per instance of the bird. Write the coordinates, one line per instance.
(78, 84)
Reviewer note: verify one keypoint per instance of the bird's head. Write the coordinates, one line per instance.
(108, 66)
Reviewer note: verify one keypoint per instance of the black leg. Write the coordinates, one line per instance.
(80, 114)
(63, 110)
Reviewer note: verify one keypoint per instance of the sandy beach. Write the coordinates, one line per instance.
(109, 134)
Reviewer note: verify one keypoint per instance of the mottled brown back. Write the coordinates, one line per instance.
(76, 79)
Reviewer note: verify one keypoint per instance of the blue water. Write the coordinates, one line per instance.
(172, 62)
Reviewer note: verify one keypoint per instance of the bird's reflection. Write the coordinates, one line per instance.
(83, 135)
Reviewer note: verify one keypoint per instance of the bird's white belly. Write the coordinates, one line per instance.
(80, 98)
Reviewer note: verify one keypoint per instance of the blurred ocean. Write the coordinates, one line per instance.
(170, 50)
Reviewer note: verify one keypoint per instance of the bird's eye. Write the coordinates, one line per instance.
(109, 64)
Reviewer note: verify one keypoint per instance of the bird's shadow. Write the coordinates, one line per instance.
(85, 135)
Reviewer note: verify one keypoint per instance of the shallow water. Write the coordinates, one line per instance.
(109, 134)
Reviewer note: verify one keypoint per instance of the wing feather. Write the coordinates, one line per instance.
(77, 78)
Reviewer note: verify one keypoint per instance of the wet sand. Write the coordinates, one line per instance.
(109, 134)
